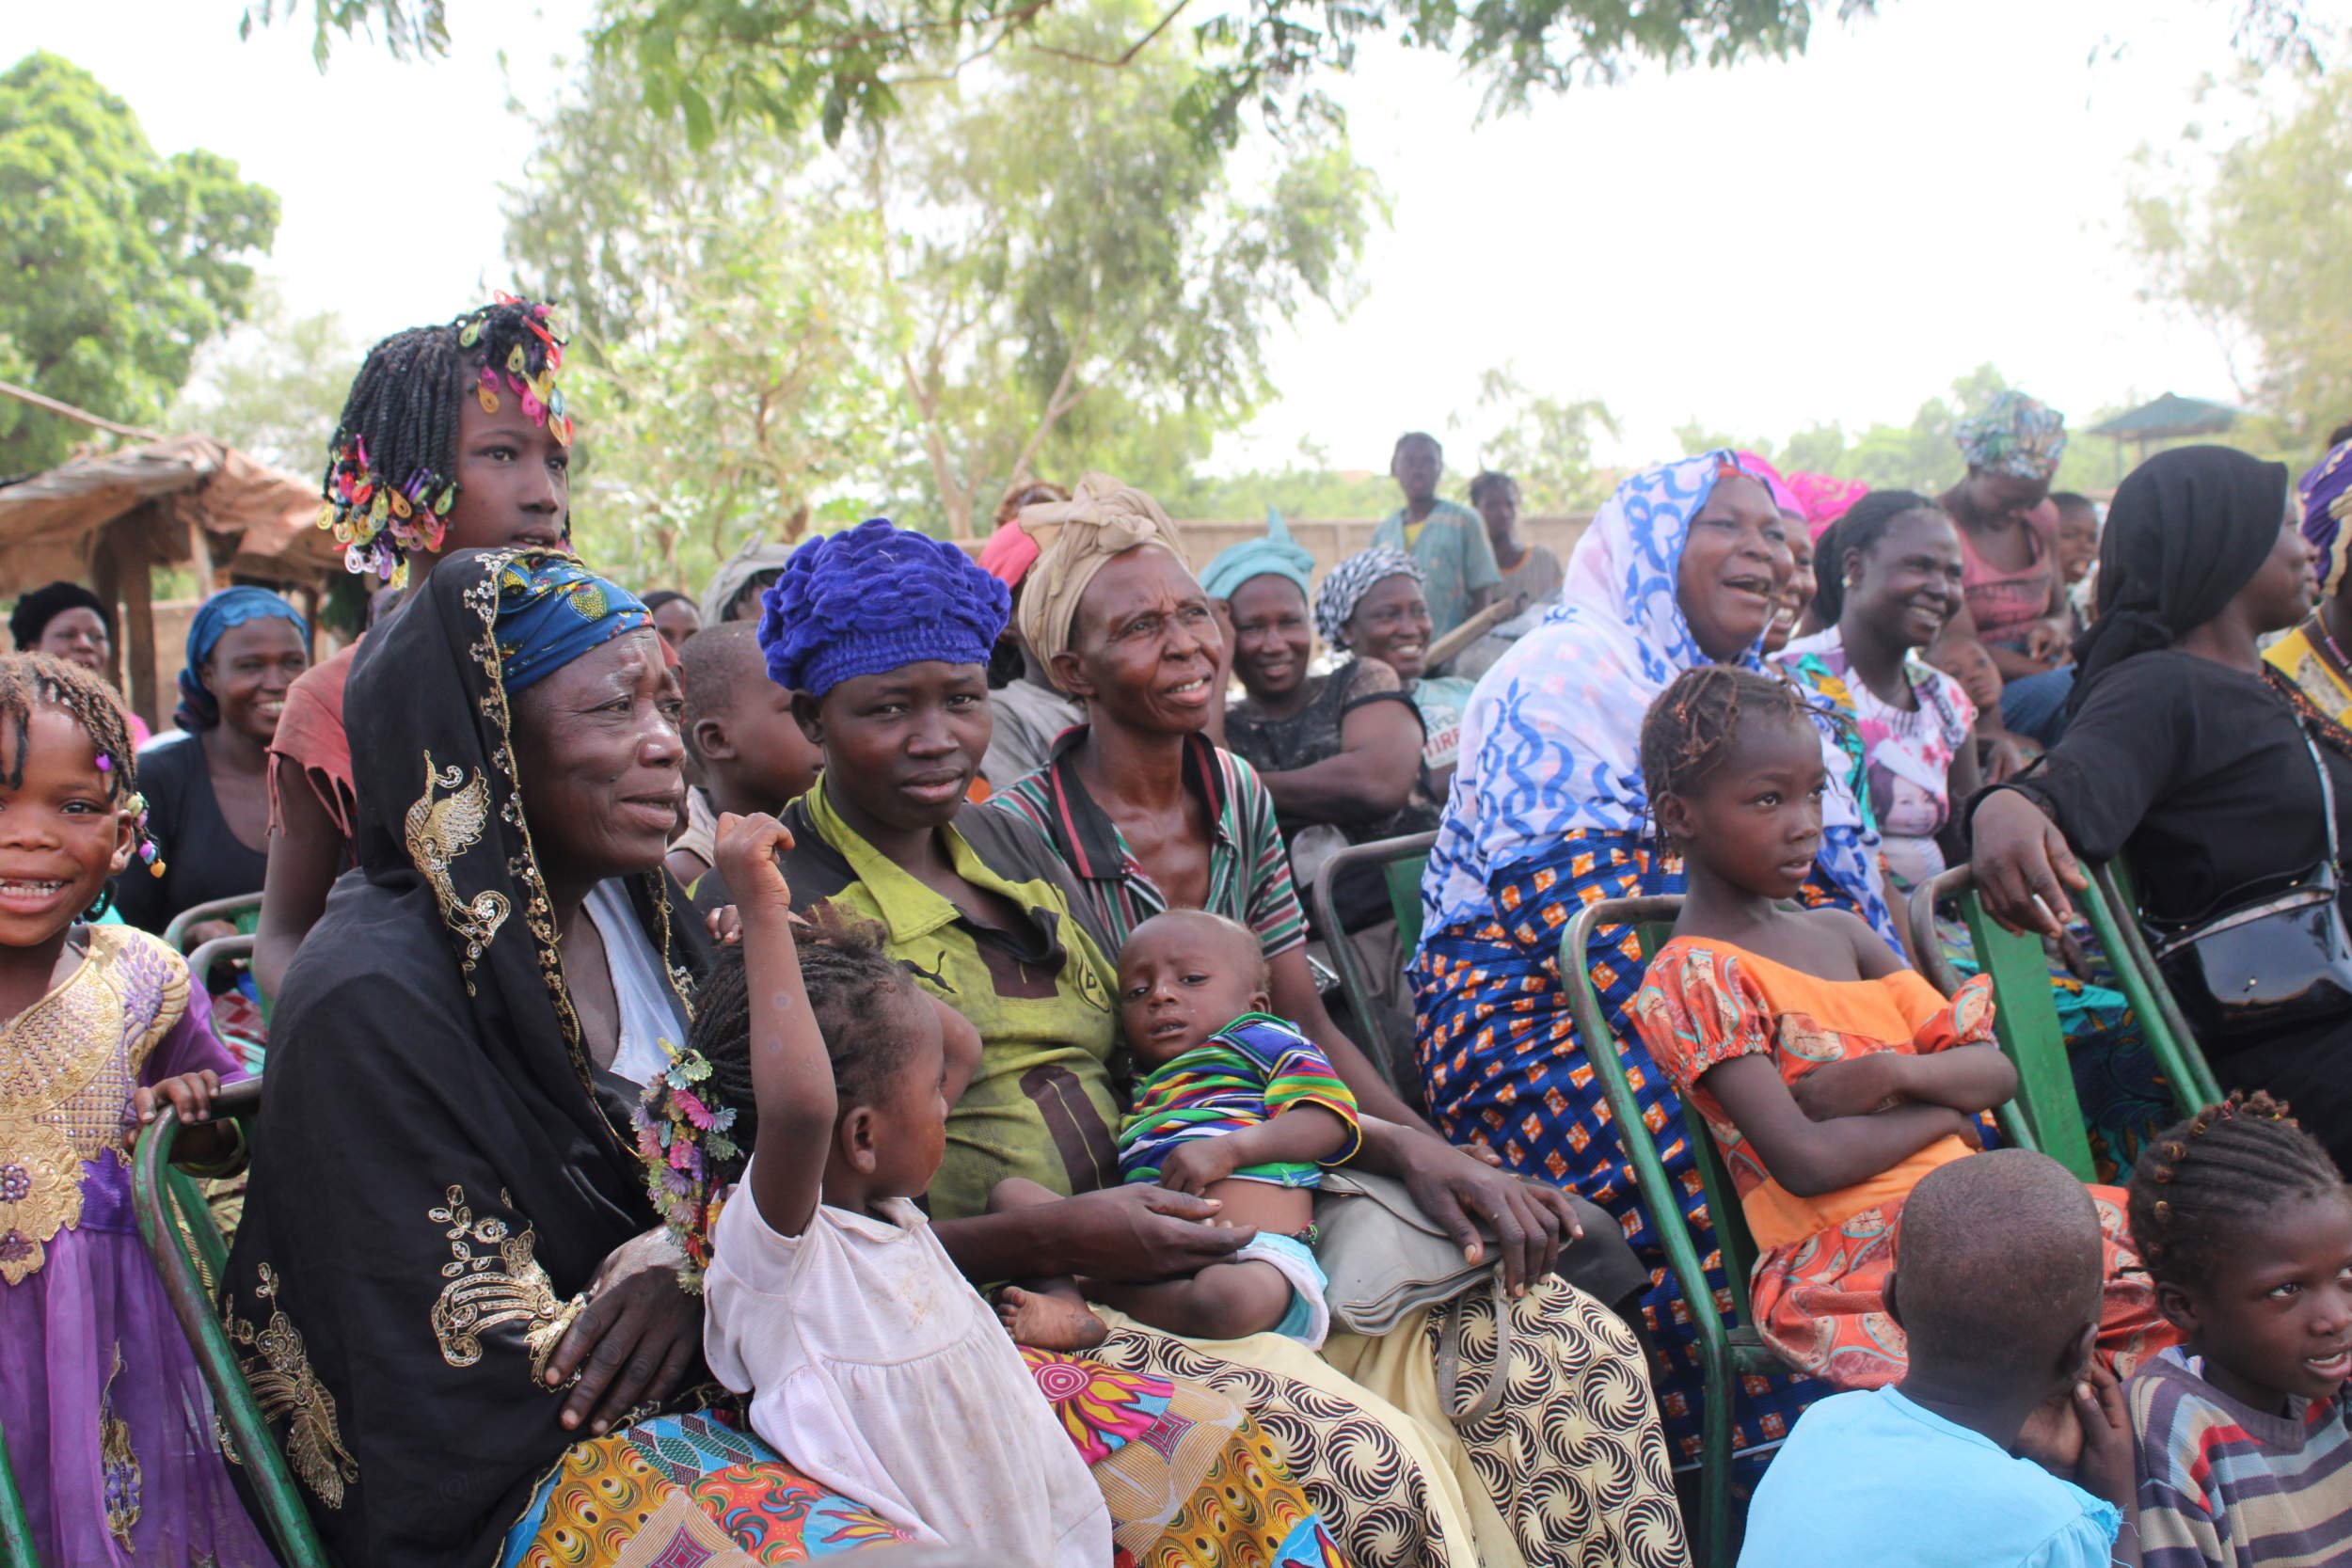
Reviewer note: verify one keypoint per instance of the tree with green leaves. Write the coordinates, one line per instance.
(271, 386)
(1016, 277)
(120, 263)
(1545, 445)
(2256, 244)
(1921, 455)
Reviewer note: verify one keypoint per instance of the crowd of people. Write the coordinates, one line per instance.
(841, 1061)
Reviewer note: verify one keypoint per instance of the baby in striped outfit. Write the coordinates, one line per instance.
(1233, 1105)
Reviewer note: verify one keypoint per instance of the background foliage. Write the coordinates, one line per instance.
(120, 264)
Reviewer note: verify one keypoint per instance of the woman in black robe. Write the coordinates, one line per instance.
(448, 1270)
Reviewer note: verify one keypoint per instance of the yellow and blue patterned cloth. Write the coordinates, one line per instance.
(553, 610)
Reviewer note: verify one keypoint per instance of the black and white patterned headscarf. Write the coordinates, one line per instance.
(1350, 580)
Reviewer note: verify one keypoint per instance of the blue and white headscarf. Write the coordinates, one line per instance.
(1551, 739)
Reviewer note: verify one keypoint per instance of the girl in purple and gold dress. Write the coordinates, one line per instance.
(110, 1432)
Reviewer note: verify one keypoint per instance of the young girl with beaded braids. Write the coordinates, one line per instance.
(453, 438)
(109, 1429)
(2245, 1459)
(1833, 1077)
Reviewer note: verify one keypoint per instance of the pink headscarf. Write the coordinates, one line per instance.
(1782, 497)
(1008, 554)
(1823, 499)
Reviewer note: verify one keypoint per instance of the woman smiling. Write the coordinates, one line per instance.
(1686, 565)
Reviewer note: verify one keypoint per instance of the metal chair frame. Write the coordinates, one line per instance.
(1400, 861)
(1725, 1354)
(191, 1254)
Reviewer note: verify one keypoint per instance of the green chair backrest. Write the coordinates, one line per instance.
(1405, 896)
(2113, 906)
(16, 1531)
(2026, 1023)
(191, 1254)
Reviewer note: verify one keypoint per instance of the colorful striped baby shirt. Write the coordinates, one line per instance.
(2230, 1486)
(1248, 1073)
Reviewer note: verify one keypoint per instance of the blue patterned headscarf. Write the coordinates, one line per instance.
(2326, 494)
(2016, 435)
(1552, 739)
(874, 599)
(230, 606)
(1274, 554)
(553, 610)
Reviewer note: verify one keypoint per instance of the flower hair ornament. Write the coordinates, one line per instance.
(381, 518)
(681, 1140)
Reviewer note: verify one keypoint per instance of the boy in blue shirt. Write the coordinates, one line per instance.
(1999, 1294)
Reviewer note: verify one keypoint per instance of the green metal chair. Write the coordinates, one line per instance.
(235, 910)
(2112, 909)
(1725, 1354)
(16, 1531)
(2048, 1116)
(1400, 861)
(191, 1253)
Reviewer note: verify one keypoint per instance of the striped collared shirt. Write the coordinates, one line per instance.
(1249, 870)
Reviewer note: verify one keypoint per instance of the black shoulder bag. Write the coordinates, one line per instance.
(2276, 961)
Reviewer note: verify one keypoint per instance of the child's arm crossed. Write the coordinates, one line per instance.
(1306, 1134)
(791, 1079)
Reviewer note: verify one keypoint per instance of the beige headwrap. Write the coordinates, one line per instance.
(1076, 538)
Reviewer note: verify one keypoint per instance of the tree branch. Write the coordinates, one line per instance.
(1133, 50)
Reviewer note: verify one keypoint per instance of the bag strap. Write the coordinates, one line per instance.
(2327, 787)
(1449, 1358)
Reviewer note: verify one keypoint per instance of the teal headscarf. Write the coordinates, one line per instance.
(1273, 554)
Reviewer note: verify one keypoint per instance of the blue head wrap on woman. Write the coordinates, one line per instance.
(553, 610)
(877, 598)
(230, 606)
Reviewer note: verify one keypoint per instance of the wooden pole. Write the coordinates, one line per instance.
(200, 555)
(106, 581)
(138, 614)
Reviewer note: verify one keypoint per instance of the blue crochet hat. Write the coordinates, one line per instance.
(877, 598)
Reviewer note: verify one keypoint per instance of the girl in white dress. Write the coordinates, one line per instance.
(873, 1365)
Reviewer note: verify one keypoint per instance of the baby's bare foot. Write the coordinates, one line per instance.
(1043, 1321)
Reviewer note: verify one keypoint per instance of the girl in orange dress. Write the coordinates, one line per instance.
(1833, 1076)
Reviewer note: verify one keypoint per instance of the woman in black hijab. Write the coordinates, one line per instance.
(2182, 754)
(447, 1218)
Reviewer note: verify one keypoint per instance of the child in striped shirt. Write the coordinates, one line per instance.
(1234, 1106)
(2245, 1459)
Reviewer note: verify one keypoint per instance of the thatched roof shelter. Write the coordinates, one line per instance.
(108, 519)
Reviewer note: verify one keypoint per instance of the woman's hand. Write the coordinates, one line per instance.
(634, 1339)
(748, 847)
(2023, 865)
(1853, 1087)
(1458, 1188)
(1140, 1232)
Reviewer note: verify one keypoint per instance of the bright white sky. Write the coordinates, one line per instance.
(1833, 239)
